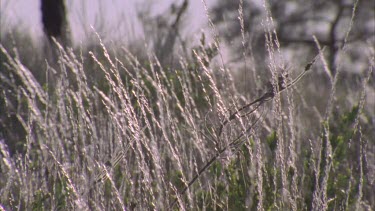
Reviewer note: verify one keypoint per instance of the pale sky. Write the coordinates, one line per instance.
(115, 17)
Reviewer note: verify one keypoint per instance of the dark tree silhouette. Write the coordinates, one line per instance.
(54, 20)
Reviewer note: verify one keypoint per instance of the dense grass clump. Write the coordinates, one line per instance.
(105, 129)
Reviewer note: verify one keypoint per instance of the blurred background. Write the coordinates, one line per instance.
(114, 19)
(232, 48)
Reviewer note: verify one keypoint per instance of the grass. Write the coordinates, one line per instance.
(106, 132)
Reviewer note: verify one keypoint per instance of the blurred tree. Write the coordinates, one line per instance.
(295, 22)
(163, 30)
(54, 20)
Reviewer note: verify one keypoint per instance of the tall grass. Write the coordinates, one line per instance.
(106, 132)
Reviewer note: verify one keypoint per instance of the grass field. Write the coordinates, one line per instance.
(101, 128)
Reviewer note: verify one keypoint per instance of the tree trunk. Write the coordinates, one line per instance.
(54, 20)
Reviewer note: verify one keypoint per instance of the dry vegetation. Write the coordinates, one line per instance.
(105, 129)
